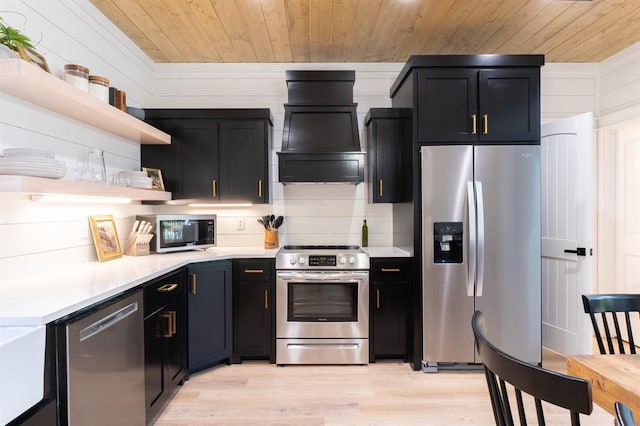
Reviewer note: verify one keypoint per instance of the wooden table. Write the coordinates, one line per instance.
(613, 378)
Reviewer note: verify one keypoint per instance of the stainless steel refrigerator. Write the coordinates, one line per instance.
(481, 208)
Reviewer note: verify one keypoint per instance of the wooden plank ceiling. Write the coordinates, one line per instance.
(373, 30)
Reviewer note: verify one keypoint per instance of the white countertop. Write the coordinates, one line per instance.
(37, 301)
(388, 252)
(40, 300)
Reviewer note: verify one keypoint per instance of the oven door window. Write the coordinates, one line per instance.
(322, 302)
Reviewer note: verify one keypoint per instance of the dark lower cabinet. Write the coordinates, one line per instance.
(165, 339)
(210, 319)
(254, 310)
(389, 308)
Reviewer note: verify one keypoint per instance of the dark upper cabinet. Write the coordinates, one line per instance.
(509, 104)
(243, 155)
(254, 310)
(388, 154)
(210, 318)
(216, 155)
(462, 105)
(447, 103)
(389, 308)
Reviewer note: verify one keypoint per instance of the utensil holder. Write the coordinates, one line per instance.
(270, 238)
(133, 249)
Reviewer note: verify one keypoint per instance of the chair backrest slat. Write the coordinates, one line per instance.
(624, 416)
(564, 391)
(609, 306)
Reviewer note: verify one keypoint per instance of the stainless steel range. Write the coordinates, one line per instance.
(322, 305)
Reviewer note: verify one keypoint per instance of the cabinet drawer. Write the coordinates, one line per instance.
(255, 270)
(390, 269)
(162, 291)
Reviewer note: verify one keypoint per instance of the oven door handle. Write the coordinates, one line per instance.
(315, 276)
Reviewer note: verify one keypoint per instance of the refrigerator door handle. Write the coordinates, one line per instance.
(471, 253)
(480, 200)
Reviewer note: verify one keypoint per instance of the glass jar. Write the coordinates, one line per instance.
(77, 76)
(99, 87)
(96, 170)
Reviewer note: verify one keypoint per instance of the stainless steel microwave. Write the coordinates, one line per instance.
(176, 232)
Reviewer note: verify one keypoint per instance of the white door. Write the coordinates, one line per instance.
(627, 247)
(567, 225)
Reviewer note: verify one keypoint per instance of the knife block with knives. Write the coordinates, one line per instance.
(139, 239)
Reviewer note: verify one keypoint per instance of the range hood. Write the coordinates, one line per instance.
(320, 141)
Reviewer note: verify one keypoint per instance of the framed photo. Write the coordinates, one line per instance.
(156, 175)
(105, 237)
(30, 55)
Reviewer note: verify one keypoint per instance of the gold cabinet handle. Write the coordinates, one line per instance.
(266, 299)
(214, 188)
(485, 124)
(172, 323)
(259, 188)
(390, 269)
(377, 298)
(166, 324)
(167, 288)
(474, 124)
(253, 271)
(193, 284)
(380, 188)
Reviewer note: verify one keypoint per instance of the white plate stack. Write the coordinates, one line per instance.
(137, 179)
(31, 162)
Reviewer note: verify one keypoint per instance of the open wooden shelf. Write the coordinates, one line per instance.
(32, 84)
(35, 185)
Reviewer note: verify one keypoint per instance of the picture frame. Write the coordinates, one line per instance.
(105, 237)
(156, 175)
(31, 55)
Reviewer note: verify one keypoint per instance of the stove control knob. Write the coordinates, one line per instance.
(292, 260)
(352, 260)
(301, 260)
(343, 260)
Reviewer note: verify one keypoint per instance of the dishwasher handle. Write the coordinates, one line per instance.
(108, 321)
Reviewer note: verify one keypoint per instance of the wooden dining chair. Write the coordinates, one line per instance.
(624, 416)
(507, 376)
(609, 306)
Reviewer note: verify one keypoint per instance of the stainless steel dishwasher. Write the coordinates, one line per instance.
(105, 365)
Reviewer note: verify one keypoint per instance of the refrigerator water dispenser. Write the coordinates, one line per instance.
(447, 242)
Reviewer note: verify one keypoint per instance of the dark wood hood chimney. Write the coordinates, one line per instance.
(320, 140)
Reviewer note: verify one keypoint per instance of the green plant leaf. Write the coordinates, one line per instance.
(11, 37)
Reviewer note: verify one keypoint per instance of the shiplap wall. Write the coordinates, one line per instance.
(54, 236)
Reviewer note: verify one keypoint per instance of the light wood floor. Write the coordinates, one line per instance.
(384, 393)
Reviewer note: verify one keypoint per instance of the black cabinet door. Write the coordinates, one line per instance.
(167, 158)
(200, 174)
(210, 320)
(154, 326)
(243, 161)
(389, 308)
(254, 313)
(509, 105)
(388, 159)
(165, 339)
(175, 366)
(447, 105)
(390, 319)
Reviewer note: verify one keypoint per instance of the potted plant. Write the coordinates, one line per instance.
(10, 38)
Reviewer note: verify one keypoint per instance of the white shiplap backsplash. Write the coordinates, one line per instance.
(36, 237)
